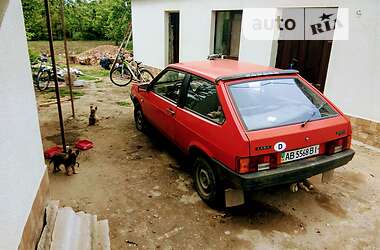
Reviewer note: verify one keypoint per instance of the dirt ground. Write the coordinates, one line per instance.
(75, 47)
(138, 183)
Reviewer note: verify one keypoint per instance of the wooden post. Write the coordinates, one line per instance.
(55, 78)
(129, 32)
(67, 56)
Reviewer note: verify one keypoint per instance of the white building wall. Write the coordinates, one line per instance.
(353, 68)
(352, 78)
(22, 163)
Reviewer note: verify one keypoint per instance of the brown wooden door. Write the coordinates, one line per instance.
(311, 58)
(173, 37)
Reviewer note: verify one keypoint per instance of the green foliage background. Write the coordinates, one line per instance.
(84, 19)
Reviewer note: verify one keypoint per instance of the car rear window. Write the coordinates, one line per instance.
(278, 102)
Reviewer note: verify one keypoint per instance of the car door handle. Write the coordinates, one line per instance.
(170, 111)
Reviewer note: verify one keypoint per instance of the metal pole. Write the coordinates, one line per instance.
(50, 34)
(67, 56)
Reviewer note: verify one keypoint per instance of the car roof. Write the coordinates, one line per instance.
(224, 69)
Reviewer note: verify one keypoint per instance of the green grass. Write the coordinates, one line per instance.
(124, 103)
(91, 73)
(75, 47)
(65, 91)
(94, 71)
(87, 78)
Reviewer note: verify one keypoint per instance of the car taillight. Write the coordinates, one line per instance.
(243, 165)
(246, 165)
(339, 145)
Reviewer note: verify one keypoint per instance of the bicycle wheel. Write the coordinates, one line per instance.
(145, 76)
(43, 80)
(121, 76)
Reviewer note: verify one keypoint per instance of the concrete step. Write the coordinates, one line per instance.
(67, 230)
(83, 237)
(102, 239)
(51, 215)
(93, 225)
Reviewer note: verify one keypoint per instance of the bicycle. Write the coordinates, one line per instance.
(44, 75)
(124, 72)
(42, 78)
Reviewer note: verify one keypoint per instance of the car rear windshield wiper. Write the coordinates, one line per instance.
(313, 114)
(308, 119)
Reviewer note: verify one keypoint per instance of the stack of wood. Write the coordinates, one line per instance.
(92, 56)
(73, 59)
(88, 60)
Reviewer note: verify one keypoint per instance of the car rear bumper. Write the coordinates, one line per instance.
(287, 173)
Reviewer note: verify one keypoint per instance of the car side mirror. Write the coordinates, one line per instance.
(144, 87)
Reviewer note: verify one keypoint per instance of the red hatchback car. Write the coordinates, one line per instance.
(245, 126)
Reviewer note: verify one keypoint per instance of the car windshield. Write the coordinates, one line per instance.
(278, 102)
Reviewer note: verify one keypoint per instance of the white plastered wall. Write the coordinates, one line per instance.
(352, 79)
(22, 163)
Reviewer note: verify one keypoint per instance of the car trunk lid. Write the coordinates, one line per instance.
(295, 136)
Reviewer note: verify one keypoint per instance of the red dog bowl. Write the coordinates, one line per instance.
(84, 144)
(50, 152)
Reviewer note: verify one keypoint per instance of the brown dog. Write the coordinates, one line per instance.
(69, 160)
(92, 118)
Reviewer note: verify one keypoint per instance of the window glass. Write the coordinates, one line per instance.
(227, 33)
(169, 85)
(277, 102)
(202, 99)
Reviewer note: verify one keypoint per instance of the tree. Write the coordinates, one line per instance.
(118, 18)
(85, 20)
(35, 23)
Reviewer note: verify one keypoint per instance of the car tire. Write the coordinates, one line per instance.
(140, 121)
(206, 183)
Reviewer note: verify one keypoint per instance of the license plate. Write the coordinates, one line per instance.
(299, 153)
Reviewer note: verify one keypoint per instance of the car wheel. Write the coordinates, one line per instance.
(139, 119)
(206, 183)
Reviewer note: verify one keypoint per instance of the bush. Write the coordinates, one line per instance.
(33, 56)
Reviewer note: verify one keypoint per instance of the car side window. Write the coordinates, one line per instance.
(169, 85)
(203, 100)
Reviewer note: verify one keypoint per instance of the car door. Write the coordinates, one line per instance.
(160, 103)
(200, 117)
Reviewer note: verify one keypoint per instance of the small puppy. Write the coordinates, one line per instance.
(69, 160)
(92, 118)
